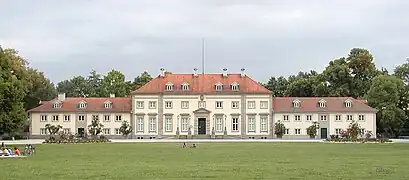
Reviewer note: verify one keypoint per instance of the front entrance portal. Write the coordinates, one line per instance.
(324, 133)
(81, 132)
(201, 128)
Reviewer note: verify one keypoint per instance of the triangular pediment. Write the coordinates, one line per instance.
(201, 110)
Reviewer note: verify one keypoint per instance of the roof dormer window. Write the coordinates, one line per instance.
(296, 103)
(82, 105)
(348, 103)
(234, 86)
(185, 87)
(322, 103)
(219, 87)
(108, 104)
(57, 105)
(169, 86)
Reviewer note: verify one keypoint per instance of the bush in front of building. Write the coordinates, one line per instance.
(64, 138)
(279, 129)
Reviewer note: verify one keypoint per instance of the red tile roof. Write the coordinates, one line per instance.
(203, 83)
(71, 104)
(310, 104)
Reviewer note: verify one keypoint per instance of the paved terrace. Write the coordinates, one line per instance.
(39, 141)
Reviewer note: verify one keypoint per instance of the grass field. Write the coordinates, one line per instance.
(225, 161)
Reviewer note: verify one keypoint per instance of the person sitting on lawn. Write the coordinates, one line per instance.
(6, 152)
(17, 151)
(1, 152)
(184, 145)
(193, 146)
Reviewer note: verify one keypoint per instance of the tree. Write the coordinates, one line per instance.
(125, 129)
(114, 83)
(141, 80)
(40, 88)
(94, 81)
(385, 95)
(14, 87)
(312, 130)
(278, 86)
(337, 75)
(354, 130)
(52, 129)
(76, 87)
(95, 128)
(279, 129)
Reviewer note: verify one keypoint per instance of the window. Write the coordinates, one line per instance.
(169, 86)
(139, 124)
(168, 124)
(321, 103)
(55, 117)
(117, 131)
(285, 117)
(362, 131)
(185, 87)
(81, 118)
(252, 105)
(235, 104)
(252, 125)
(235, 86)
(43, 118)
(106, 131)
(297, 131)
(108, 105)
(264, 124)
(67, 118)
(82, 105)
(219, 104)
(95, 117)
(338, 131)
(297, 118)
(118, 118)
(349, 118)
(67, 130)
(287, 131)
(168, 104)
(152, 104)
(323, 117)
(309, 117)
(185, 105)
(219, 87)
(185, 125)
(56, 105)
(235, 124)
(338, 118)
(43, 131)
(107, 117)
(202, 104)
(263, 104)
(139, 104)
(296, 103)
(361, 117)
(219, 123)
(348, 104)
(152, 124)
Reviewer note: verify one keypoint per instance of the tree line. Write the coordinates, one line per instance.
(355, 75)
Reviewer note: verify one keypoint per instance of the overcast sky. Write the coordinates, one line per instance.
(267, 37)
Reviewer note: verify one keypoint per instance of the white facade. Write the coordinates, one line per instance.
(169, 115)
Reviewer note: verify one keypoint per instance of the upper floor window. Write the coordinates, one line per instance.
(57, 105)
(169, 86)
(168, 104)
(219, 87)
(185, 87)
(82, 105)
(296, 103)
(322, 103)
(251, 105)
(219, 104)
(139, 104)
(152, 104)
(108, 105)
(348, 103)
(234, 86)
(263, 104)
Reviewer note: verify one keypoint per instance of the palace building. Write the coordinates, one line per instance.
(203, 106)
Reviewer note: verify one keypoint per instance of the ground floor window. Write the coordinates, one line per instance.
(139, 124)
(252, 125)
(43, 131)
(185, 123)
(235, 124)
(106, 131)
(263, 122)
(338, 131)
(287, 131)
(219, 123)
(168, 124)
(117, 131)
(297, 131)
(67, 130)
(152, 124)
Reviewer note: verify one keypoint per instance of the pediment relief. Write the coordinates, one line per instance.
(201, 110)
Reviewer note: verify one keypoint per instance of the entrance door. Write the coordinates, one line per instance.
(81, 132)
(201, 128)
(324, 133)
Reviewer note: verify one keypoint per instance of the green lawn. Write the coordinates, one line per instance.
(222, 161)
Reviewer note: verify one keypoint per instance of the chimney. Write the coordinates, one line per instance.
(225, 72)
(111, 95)
(195, 72)
(162, 72)
(243, 73)
(61, 96)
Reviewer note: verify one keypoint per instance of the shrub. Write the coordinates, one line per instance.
(312, 130)
(279, 129)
